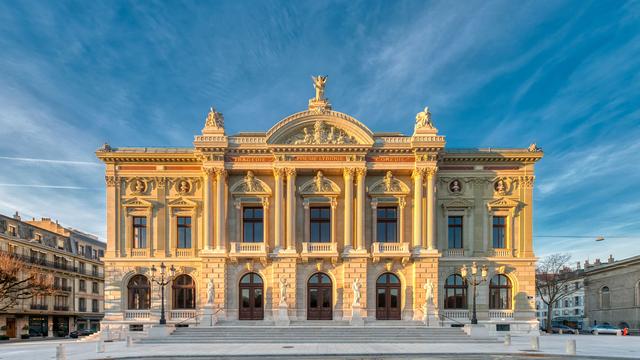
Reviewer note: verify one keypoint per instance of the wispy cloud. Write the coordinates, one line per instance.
(52, 161)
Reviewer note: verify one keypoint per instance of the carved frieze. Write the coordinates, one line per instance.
(321, 134)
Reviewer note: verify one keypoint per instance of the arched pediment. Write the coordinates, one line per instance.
(389, 185)
(320, 128)
(319, 185)
(250, 185)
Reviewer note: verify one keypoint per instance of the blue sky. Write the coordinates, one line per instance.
(563, 74)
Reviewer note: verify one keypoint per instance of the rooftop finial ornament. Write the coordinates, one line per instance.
(319, 103)
(424, 124)
(214, 124)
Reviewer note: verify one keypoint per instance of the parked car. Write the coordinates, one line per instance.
(605, 329)
(74, 334)
(565, 329)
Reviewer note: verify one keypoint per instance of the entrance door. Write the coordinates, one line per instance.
(388, 297)
(251, 297)
(11, 328)
(319, 297)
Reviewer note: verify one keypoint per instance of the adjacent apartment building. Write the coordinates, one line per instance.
(73, 258)
(324, 217)
(612, 293)
(569, 310)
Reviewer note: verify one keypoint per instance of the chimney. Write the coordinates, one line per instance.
(610, 259)
(597, 262)
(16, 216)
(578, 265)
(586, 263)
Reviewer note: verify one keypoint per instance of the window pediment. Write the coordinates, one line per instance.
(319, 185)
(250, 185)
(457, 203)
(503, 203)
(135, 202)
(183, 203)
(388, 185)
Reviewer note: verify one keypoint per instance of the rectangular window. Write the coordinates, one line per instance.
(499, 232)
(387, 224)
(83, 285)
(252, 224)
(94, 306)
(81, 268)
(455, 232)
(184, 232)
(94, 270)
(38, 238)
(82, 305)
(12, 230)
(80, 249)
(94, 287)
(60, 243)
(139, 232)
(320, 222)
(60, 303)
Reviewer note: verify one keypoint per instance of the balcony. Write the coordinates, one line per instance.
(62, 288)
(396, 250)
(500, 314)
(184, 253)
(501, 252)
(248, 250)
(312, 250)
(139, 252)
(183, 314)
(453, 252)
(61, 308)
(137, 314)
(39, 307)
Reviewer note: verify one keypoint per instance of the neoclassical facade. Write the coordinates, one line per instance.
(317, 214)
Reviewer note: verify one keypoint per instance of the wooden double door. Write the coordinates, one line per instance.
(251, 297)
(11, 327)
(388, 298)
(319, 297)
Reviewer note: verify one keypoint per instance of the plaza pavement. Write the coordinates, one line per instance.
(596, 347)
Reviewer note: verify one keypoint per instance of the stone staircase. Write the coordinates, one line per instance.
(321, 332)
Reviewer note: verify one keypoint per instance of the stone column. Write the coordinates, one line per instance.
(417, 176)
(220, 224)
(431, 207)
(208, 208)
(113, 188)
(348, 208)
(265, 226)
(360, 200)
(278, 174)
(525, 248)
(291, 205)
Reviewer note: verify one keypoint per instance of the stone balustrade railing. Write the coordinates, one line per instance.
(137, 314)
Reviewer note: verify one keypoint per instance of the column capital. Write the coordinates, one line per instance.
(161, 181)
(265, 202)
(361, 172)
(431, 171)
(334, 203)
(348, 172)
(418, 172)
(527, 181)
(290, 172)
(402, 202)
(220, 172)
(208, 171)
(278, 172)
(112, 180)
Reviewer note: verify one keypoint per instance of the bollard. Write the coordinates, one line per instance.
(535, 343)
(570, 347)
(618, 332)
(100, 346)
(560, 332)
(507, 340)
(129, 341)
(595, 332)
(60, 354)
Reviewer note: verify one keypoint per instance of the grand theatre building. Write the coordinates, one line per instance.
(322, 219)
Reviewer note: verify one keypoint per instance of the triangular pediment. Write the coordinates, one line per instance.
(457, 203)
(389, 185)
(135, 202)
(250, 185)
(182, 202)
(502, 203)
(319, 185)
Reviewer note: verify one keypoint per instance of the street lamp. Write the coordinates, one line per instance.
(474, 280)
(162, 282)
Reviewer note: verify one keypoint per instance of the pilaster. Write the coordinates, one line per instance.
(113, 215)
(431, 208)
(360, 201)
(278, 174)
(348, 209)
(291, 206)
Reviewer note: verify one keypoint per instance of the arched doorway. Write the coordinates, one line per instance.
(251, 297)
(319, 297)
(388, 297)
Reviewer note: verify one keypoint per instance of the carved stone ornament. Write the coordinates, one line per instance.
(321, 134)
(138, 186)
(250, 185)
(455, 186)
(389, 185)
(423, 119)
(319, 185)
(534, 148)
(500, 186)
(214, 119)
(183, 186)
(111, 180)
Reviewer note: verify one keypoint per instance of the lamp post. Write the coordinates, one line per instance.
(474, 280)
(162, 282)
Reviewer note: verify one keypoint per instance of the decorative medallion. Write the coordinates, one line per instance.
(455, 186)
(138, 186)
(183, 187)
(500, 186)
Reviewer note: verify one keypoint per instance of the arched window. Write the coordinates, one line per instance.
(184, 292)
(455, 292)
(500, 292)
(605, 298)
(139, 290)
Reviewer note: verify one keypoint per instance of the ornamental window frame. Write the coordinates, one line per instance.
(183, 207)
(508, 208)
(138, 208)
(250, 191)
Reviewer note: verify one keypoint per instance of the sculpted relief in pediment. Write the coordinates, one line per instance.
(321, 134)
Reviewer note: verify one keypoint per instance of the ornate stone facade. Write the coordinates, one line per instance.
(331, 197)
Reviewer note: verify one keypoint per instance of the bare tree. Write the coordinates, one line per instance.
(18, 282)
(552, 281)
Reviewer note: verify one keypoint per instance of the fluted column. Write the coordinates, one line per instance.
(291, 205)
(208, 208)
(417, 176)
(278, 174)
(221, 175)
(348, 208)
(431, 207)
(114, 246)
(360, 199)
